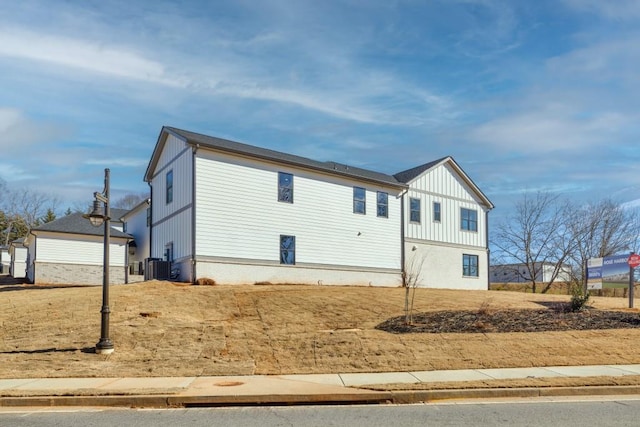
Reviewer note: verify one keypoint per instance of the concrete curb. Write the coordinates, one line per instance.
(393, 397)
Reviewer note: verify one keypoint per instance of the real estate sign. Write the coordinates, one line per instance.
(608, 272)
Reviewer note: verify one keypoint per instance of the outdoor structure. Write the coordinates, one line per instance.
(136, 223)
(237, 213)
(5, 260)
(18, 254)
(518, 273)
(70, 250)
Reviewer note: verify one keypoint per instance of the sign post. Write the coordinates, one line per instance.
(633, 261)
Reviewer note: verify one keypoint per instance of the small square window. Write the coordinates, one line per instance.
(470, 265)
(287, 250)
(468, 219)
(285, 187)
(414, 210)
(383, 204)
(359, 200)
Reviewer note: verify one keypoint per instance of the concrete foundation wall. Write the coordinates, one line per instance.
(76, 274)
(230, 273)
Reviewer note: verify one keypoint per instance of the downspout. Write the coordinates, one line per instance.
(146, 263)
(402, 236)
(486, 226)
(193, 213)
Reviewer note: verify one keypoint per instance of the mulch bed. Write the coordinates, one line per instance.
(512, 320)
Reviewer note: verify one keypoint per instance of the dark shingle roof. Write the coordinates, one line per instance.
(76, 224)
(266, 154)
(409, 174)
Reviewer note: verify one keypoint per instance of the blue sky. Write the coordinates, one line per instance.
(525, 95)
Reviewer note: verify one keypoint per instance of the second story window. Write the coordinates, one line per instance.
(285, 187)
(383, 204)
(359, 200)
(468, 219)
(437, 215)
(414, 210)
(169, 186)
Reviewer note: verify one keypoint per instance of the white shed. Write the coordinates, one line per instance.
(70, 250)
(18, 254)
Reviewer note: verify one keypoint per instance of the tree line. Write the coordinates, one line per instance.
(546, 230)
(24, 209)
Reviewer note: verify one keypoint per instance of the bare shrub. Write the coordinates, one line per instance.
(205, 281)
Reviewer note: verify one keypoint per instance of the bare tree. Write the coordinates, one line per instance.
(23, 210)
(601, 229)
(534, 238)
(129, 201)
(411, 276)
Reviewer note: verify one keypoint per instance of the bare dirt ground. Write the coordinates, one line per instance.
(172, 329)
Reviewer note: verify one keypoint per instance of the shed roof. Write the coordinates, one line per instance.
(76, 224)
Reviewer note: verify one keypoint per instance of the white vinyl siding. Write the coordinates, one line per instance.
(179, 155)
(172, 222)
(321, 218)
(67, 249)
(443, 185)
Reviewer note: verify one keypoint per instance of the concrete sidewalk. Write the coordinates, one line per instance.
(294, 389)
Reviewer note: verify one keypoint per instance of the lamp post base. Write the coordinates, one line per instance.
(104, 348)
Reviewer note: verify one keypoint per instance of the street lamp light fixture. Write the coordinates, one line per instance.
(101, 215)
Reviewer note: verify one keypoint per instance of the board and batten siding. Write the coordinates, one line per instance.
(443, 185)
(172, 221)
(239, 215)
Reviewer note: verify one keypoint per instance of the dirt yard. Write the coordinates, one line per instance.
(171, 329)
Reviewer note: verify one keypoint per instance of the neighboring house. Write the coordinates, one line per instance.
(18, 254)
(136, 222)
(5, 260)
(237, 213)
(70, 250)
(446, 227)
(519, 273)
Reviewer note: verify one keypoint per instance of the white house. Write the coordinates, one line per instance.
(446, 227)
(237, 213)
(519, 273)
(18, 254)
(70, 250)
(136, 223)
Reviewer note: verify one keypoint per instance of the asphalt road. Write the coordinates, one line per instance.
(622, 411)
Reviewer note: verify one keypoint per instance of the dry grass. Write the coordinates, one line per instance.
(169, 329)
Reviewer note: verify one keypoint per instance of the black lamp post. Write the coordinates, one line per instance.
(99, 216)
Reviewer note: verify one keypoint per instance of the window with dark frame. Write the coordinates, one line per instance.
(287, 250)
(383, 204)
(359, 200)
(437, 212)
(285, 187)
(470, 265)
(414, 210)
(468, 219)
(169, 186)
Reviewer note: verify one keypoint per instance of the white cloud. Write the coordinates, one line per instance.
(118, 161)
(96, 57)
(19, 132)
(610, 9)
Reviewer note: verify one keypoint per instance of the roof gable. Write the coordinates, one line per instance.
(411, 174)
(238, 148)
